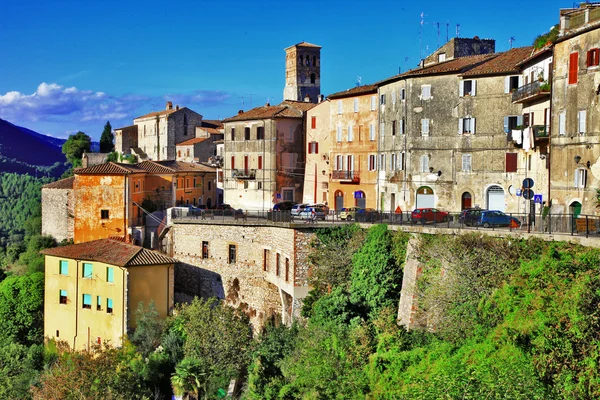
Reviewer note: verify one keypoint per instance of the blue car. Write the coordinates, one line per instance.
(490, 218)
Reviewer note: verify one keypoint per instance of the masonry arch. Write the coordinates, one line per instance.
(495, 198)
(360, 199)
(425, 197)
(466, 200)
(575, 208)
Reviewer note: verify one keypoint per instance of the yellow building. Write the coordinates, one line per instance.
(93, 289)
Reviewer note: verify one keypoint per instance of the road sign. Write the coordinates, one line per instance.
(537, 198)
(528, 194)
(527, 183)
(519, 192)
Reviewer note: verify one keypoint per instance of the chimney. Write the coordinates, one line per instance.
(240, 112)
(268, 104)
(176, 107)
(307, 99)
(169, 105)
(320, 98)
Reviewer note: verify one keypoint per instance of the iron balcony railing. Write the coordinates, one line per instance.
(243, 173)
(345, 175)
(530, 90)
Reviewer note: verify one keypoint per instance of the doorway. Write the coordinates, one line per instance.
(495, 198)
(425, 197)
(465, 201)
(339, 200)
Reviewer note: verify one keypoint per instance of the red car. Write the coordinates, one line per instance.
(424, 215)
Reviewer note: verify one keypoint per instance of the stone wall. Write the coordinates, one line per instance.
(256, 286)
(57, 213)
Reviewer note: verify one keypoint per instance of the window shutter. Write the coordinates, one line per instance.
(584, 178)
(355, 105)
(382, 130)
(461, 88)
(402, 127)
(232, 162)
(402, 161)
(373, 102)
(573, 68)
(339, 106)
(506, 125)
(576, 178)
(372, 132)
(519, 120)
(506, 84)
(339, 133)
(582, 116)
(350, 133)
(393, 97)
(310, 147)
(511, 162)
(562, 123)
(588, 60)
(473, 87)
(460, 126)
(473, 126)
(313, 122)
(316, 147)
(520, 80)
(425, 126)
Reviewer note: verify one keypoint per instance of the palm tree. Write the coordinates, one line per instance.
(189, 378)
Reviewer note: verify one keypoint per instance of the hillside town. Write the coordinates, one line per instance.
(463, 130)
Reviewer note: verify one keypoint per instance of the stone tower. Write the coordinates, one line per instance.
(302, 72)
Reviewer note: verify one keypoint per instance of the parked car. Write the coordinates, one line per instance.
(297, 209)
(284, 206)
(368, 215)
(306, 212)
(424, 215)
(349, 213)
(224, 209)
(469, 216)
(490, 218)
(191, 209)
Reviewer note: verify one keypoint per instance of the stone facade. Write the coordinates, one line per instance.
(461, 47)
(250, 277)
(575, 132)
(456, 152)
(58, 209)
(302, 72)
(159, 132)
(126, 138)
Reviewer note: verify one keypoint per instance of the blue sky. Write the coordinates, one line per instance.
(73, 65)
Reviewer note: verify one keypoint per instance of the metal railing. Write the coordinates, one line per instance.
(566, 224)
(345, 175)
(529, 90)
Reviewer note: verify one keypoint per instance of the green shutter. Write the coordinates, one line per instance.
(64, 267)
(110, 274)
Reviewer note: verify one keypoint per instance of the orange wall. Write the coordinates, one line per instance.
(186, 192)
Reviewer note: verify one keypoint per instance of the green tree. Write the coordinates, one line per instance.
(22, 309)
(376, 278)
(19, 365)
(149, 330)
(75, 146)
(219, 337)
(106, 140)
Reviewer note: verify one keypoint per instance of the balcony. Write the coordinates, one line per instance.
(243, 173)
(540, 131)
(346, 176)
(532, 91)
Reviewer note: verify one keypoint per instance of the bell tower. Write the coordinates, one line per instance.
(302, 72)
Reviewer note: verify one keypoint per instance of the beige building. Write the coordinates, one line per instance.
(93, 289)
(575, 131)
(318, 145)
(264, 155)
(353, 151)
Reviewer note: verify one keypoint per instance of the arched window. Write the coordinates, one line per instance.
(301, 59)
(308, 61)
(313, 78)
(339, 200)
(314, 61)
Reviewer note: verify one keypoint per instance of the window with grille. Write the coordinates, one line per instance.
(232, 254)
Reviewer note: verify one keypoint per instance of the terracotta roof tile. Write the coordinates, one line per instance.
(154, 167)
(535, 53)
(127, 128)
(180, 166)
(66, 183)
(110, 168)
(157, 113)
(191, 141)
(287, 109)
(111, 252)
(304, 44)
(504, 63)
(355, 91)
(212, 123)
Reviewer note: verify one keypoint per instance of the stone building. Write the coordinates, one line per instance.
(58, 208)
(202, 147)
(264, 155)
(93, 289)
(126, 138)
(353, 148)
(461, 47)
(575, 132)
(302, 72)
(318, 144)
(457, 152)
(160, 131)
(261, 269)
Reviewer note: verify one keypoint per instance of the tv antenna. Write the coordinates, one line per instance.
(421, 35)
(358, 80)
(438, 33)
(511, 40)
(248, 96)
